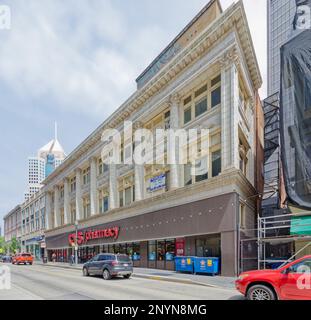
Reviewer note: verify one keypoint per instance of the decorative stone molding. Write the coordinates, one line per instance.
(138, 125)
(174, 98)
(231, 56)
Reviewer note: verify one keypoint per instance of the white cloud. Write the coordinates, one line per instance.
(86, 59)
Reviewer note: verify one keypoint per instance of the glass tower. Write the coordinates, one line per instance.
(281, 15)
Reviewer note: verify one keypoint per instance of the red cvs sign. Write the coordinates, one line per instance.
(88, 235)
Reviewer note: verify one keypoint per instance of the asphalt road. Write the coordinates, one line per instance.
(39, 282)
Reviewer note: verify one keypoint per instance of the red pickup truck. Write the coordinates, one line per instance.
(22, 258)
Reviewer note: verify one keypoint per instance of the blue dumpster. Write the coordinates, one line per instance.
(184, 264)
(206, 265)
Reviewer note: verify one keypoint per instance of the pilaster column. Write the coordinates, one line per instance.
(175, 176)
(139, 172)
(113, 187)
(56, 207)
(48, 211)
(79, 210)
(66, 202)
(139, 182)
(230, 110)
(93, 186)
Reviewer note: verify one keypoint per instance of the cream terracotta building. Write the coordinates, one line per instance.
(207, 77)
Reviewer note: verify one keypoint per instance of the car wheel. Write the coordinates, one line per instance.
(260, 292)
(106, 274)
(127, 276)
(85, 272)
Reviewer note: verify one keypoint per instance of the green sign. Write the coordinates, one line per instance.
(301, 226)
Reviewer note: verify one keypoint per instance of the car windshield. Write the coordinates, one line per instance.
(123, 258)
(26, 255)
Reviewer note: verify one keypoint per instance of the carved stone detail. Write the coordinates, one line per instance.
(229, 57)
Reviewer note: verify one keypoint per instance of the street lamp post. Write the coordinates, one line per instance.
(76, 242)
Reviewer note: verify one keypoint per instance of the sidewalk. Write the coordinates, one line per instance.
(166, 275)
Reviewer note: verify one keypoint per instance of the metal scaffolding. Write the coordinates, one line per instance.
(276, 243)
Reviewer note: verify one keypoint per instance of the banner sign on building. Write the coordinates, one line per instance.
(295, 108)
(157, 183)
(301, 226)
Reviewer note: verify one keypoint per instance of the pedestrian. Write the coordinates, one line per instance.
(72, 259)
(54, 257)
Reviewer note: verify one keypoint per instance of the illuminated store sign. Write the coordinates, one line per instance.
(88, 235)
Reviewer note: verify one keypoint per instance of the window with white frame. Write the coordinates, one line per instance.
(102, 167)
(103, 201)
(86, 176)
(205, 97)
(73, 184)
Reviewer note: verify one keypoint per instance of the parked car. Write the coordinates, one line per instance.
(290, 282)
(108, 266)
(6, 259)
(22, 258)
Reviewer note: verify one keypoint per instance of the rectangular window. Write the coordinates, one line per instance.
(200, 91)
(152, 251)
(170, 250)
(216, 163)
(73, 184)
(216, 97)
(215, 81)
(187, 115)
(121, 202)
(161, 250)
(187, 100)
(187, 175)
(106, 204)
(201, 170)
(86, 176)
(200, 107)
(128, 196)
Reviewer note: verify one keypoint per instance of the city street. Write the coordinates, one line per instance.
(39, 282)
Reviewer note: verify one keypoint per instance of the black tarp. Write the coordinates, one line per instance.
(295, 108)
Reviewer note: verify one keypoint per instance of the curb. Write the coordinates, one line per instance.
(150, 277)
(175, 280)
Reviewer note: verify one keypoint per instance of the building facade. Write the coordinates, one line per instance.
(48, 158)
(12, 225)
(208, 77)
(281, 15)
(33, 225)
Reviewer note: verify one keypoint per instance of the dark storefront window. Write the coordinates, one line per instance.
(123, 249)
(136, 251)
(129, 250)
(170, 250)
(161, 250)
(208, 247)
(152, 250)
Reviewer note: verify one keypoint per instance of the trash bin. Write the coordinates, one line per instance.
(206, 265)
(184, 264)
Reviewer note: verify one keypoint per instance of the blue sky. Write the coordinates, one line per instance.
(76, 61)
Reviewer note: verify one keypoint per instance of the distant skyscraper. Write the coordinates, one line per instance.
(48, 158)
(281, 15)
